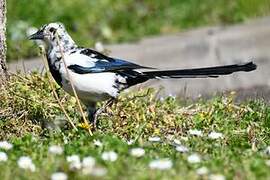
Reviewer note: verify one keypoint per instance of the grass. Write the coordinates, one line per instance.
(32, 121)
(121, 21)
(27, 106)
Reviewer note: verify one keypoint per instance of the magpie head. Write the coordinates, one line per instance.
(48, 34)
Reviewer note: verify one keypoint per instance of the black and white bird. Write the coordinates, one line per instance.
(97, 77)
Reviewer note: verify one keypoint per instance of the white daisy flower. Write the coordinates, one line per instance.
(109, 156)
(177, 142)
(25, 162)
(169, 137)
(137, 152)
(154, 139)
(55, 149)
(194, 158)
(267, 150)
(195, 132)
(73, 158)
(202, 171)
(5, 145)
(182, 149)
(66, 141)
(216, 177)
(59, 176)
(172, 96)
(184, 138)
(74, 162)
(96, 171)
(215, 135)
(161, 164)
(88, 162)
(3, 157)
(75, 165)
(98, 143)
(267, 162)
(99, 172)
(161, 99)
(130, 142)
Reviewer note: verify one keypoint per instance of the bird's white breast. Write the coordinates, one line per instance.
(91, 87)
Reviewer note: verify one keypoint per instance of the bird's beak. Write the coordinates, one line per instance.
(37, 36)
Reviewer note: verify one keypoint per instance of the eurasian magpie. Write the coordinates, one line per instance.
(97, 77)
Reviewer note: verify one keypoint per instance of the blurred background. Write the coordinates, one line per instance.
(162, 33)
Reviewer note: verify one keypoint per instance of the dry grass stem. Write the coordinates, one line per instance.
(73, 88)
(54, 92)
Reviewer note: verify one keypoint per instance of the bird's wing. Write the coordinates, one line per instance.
(90, 61)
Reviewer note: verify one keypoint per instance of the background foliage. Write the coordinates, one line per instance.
(27, 106)
(113, 21)
(28, 110)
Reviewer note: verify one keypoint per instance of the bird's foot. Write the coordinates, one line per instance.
(94, 120)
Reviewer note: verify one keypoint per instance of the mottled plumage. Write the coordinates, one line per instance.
(97, 77)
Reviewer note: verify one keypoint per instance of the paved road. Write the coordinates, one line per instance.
(196, 48)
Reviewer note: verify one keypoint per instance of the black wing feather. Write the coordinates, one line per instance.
(104, 64)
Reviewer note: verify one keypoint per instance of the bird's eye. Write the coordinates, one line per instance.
(51, 29)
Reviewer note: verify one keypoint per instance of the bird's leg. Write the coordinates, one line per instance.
(91, 110)
(100, 110)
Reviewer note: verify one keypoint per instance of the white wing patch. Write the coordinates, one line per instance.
(80, 59)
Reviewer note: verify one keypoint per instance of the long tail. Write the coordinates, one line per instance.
(212, 72)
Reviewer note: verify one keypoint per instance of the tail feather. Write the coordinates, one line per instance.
(134, 77)
(212, 72)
